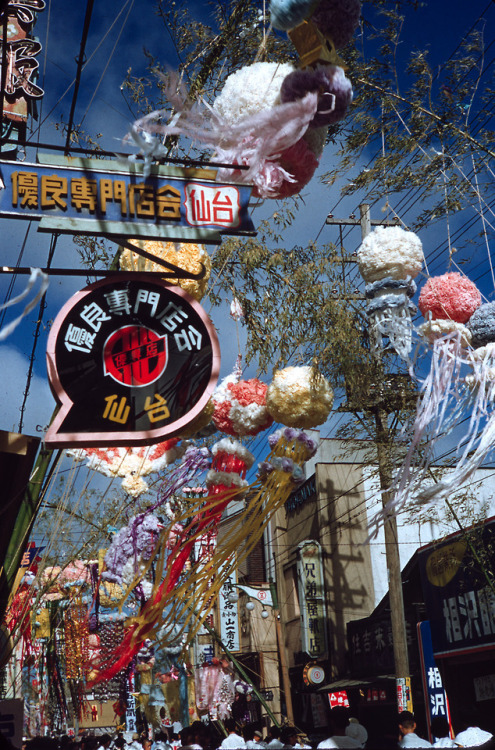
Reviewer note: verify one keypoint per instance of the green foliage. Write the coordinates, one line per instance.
(413, 124)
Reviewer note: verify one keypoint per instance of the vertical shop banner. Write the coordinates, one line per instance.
(435, 695)
(131, 362)
(229, 614)
(312, 599)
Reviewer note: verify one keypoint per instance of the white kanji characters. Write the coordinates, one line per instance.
(172, 317)
(437, 701)
(188, 338)
(356, 643)
(434, 678)
(118, 301)
(468, 608)
(94, 316)
(78, 339)
(146, 297)
(452, 620)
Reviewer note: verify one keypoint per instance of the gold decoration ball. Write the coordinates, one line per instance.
(200, 422)
(186, 255)
(299, 397)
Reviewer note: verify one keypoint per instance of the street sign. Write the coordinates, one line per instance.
(132, 361)
(112, 198)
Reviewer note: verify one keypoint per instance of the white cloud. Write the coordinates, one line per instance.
(40, 403)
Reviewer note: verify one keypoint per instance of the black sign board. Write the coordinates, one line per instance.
(458, 596)
(131, 361)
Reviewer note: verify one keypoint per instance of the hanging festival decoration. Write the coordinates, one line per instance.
(299, 397)
(286, 14)
(337, 20)
(266, 140)
(250, 90)
(447, 302)
(183, 594)
(290, 448)
(215, 689)
(201, 423)
(129, 551)
(255, 89)
(446, 395)
(334, 91)
(131, 463)
(229, 467)
(389, 259)
(240, 406)
(186, 255)
(482, 357)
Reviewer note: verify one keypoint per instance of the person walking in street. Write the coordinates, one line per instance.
(407, 729)
(233, 740)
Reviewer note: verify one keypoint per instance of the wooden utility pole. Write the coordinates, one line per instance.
(381, 408)
(283, 656)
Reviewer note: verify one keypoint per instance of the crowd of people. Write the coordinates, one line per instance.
(343, 732)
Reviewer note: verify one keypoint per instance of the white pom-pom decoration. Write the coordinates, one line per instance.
(251, 89)
(390, 251)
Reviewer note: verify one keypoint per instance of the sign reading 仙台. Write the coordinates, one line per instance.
(131, 361)
(113, 198)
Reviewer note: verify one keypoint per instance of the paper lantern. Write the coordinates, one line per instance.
(187, 255)
(299, 397)
(240, 407)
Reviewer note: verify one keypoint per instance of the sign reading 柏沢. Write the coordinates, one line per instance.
(115, 198)
(131, 361)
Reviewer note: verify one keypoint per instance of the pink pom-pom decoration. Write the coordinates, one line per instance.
(450, 296)
(286, 175)
(330, 83)
(337, 20)
(240, 408)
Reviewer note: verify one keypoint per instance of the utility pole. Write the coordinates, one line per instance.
(382, 404)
